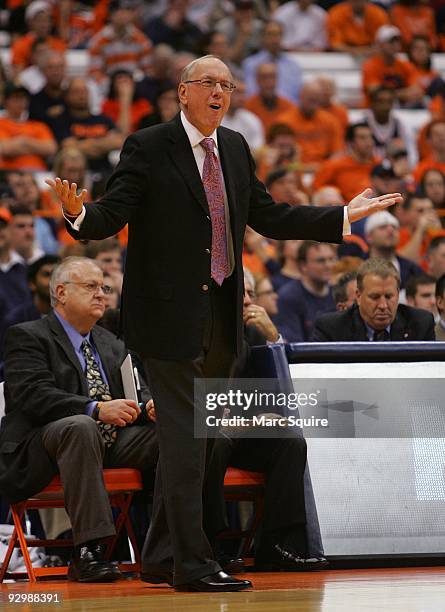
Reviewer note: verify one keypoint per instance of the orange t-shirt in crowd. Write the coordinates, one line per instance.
(414, 21)
(282, 113)
(318, 137)
(10, 129)
(425, 165)
(406, 234)
(22, 48)
(425, 76)
(346, 173)
(139, 109)
(340, 113)
(345, 29)
(397, 75)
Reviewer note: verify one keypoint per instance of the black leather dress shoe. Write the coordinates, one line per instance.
(219, 582)
(89, 565)
(284, 560)
(157, 576)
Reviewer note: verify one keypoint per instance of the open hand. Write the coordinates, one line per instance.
(67, 194)
(364, 204)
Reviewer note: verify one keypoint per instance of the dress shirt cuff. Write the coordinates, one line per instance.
(77, 221)
(90, 409)
(280, 340)
(346, 223)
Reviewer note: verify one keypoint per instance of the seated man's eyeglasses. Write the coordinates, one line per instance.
(92, 287)
(211, 84)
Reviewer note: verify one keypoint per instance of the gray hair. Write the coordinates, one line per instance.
(188, 70)
(62, 273)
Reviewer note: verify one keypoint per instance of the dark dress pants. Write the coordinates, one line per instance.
(176, 540)
(76, 446)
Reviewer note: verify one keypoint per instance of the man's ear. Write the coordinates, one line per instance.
(61, 293)
(182, 93)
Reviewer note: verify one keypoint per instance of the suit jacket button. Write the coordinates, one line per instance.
(208, 218)
(207, 250)
(205, 287)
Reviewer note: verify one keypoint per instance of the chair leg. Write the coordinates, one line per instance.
(18, 511)
(257, 516)
(123, 503)
(7, 559)
(132, 538)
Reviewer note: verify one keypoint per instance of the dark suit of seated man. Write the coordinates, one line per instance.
(280, 543)
(64, 413)
(377, 316)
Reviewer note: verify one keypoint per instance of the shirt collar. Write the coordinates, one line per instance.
(14, 258)
(193, 134)
(75, 337)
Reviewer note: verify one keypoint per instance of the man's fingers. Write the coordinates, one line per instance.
(119, 422)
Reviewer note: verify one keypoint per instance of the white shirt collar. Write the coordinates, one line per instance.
(14, 259)
(193, 134)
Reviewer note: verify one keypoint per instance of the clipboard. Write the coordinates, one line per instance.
(128, 382)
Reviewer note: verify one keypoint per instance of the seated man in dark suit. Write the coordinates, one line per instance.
(66, 413)
(377, 316)
(280, 543)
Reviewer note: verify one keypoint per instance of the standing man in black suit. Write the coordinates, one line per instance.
(188, 189)
(377, 316)
(66, 413)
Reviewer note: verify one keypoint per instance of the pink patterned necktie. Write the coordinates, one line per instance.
(213, 187)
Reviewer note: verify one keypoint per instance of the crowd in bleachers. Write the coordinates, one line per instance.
(307, 149)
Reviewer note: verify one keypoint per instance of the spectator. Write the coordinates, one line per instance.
(435, 134)
(108, 256)
(258, 326)
(435, 257)
(32, 77)
(440, 304)
(384, 125)
(289, 73)
(287, 269)
(157, 73)
(383, 235)
(95, 135)
(27, 195)
(174, 28)
(120, 45)
(39, 22)
(317, 132)
(23, 235)
(377, 316)
(166, 106)
(123, 104)
(386, 69)
(343, 266)
(420, 223)
(284, 185)
(39, 302)
(384, 176)
(281, 153)
(414, 18)
(421, 293)
(352, 26)
(24, 144)
(267, 104)
(242, 30)
(242, 120)
(14, 289)
(49, 102)
(420, 55)
(216, 43)
(328, 196)
(258, 253)
(266, 296)
(300, 302)
(328, 103)
(432, 185)
(304, 25)
(350, 173)
(344, 291)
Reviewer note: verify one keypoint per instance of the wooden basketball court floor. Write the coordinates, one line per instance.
(392, 590)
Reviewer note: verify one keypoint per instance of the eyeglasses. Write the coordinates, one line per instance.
(251, 294)
(226, 86)
(92, 287)
(266, 292)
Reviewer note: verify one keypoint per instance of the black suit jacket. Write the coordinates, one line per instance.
(410, 324)
(157, 189)
(44, 383)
